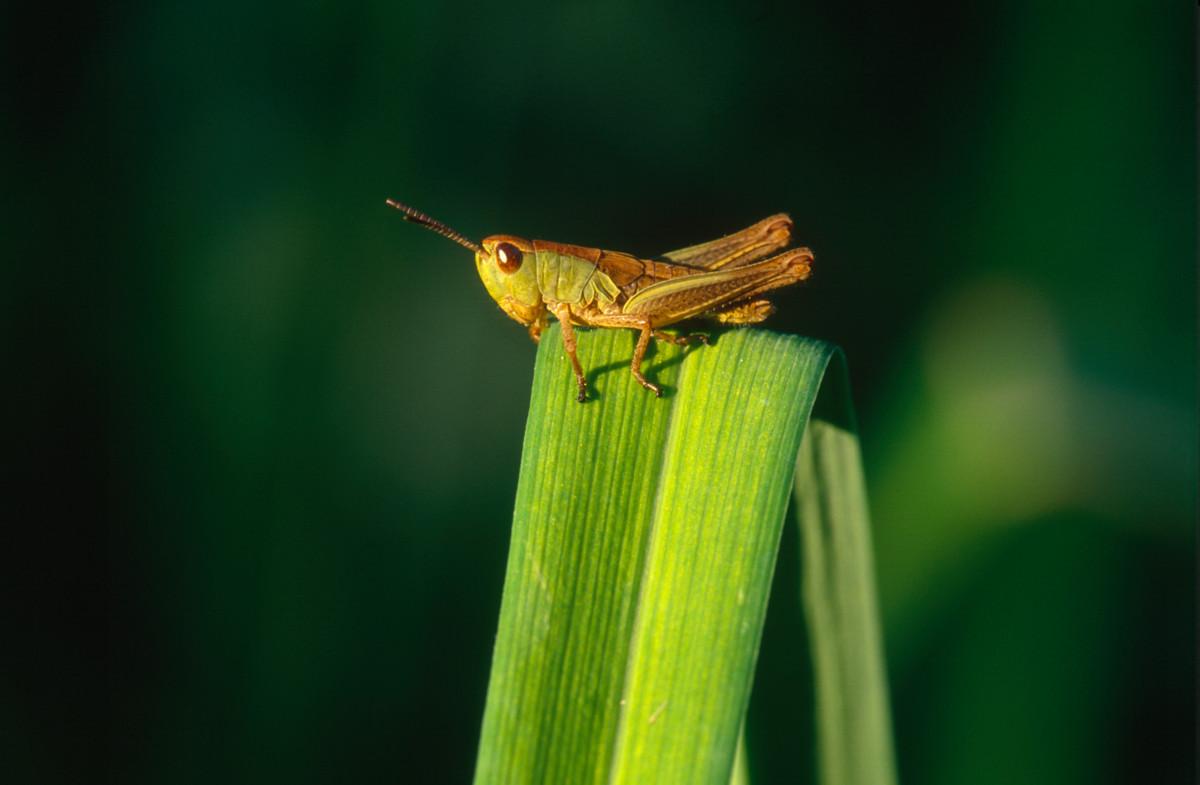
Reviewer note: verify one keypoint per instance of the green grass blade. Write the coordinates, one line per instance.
(644, 540)
(853, 720)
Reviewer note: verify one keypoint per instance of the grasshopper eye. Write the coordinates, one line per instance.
(508, 257)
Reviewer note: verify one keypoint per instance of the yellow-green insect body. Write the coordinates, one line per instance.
(565, 278)
(724, 279)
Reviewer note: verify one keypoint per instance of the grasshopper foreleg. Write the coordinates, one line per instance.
(563, 313)
(536, 327)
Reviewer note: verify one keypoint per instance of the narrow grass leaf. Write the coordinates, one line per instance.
(854, 739)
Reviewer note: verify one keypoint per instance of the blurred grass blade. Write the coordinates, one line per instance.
(644, 539)
(853, 720)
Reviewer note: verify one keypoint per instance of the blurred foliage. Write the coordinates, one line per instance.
(310, 504)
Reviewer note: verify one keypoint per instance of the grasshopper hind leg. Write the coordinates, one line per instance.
(752, 312)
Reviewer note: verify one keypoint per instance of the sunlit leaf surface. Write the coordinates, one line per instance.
(644, 541)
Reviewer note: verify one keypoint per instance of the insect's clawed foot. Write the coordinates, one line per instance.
(582, 396)
(651, 386)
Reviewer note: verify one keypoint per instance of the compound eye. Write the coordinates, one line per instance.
(508, 257)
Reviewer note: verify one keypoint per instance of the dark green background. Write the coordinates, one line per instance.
(283, 426)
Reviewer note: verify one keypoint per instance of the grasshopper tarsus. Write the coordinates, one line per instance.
(651, 386)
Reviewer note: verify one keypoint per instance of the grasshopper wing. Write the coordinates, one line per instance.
(681, 298)
(739, 249)
(631, 273)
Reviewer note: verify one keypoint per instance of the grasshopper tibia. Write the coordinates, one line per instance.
(563, 314)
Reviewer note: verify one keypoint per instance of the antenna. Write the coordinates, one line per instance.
(421, 219)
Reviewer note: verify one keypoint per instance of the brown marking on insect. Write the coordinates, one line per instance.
(741, 248)
(566, 249)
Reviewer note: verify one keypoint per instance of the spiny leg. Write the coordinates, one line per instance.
(639, 352)
(645, 330)
(563, 314)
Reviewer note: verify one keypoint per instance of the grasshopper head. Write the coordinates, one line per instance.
(508, 272)
(505, 265)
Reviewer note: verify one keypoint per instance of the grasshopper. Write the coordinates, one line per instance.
(723, 279)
